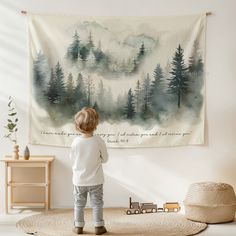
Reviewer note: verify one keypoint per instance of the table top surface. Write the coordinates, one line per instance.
(31, 159)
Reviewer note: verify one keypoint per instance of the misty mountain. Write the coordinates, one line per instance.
(136, 40)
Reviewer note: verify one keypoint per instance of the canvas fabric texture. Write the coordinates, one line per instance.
(144, 75)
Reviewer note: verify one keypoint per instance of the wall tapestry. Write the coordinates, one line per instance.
(144, 75)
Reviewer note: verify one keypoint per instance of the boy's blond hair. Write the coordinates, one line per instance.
(86, 120)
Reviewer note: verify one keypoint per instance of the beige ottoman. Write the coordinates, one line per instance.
(210, 202)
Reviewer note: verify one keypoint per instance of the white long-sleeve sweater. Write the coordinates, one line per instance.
(88, 155)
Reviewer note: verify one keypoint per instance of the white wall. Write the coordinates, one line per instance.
(157, 174)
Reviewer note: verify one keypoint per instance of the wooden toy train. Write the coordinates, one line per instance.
(139, 208)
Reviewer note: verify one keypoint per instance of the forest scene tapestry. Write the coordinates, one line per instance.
(144, 75)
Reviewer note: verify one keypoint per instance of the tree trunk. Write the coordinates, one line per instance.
(179, 100)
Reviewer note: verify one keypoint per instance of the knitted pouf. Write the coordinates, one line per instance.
(210, 202)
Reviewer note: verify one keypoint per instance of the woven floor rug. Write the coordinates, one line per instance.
(60, 223)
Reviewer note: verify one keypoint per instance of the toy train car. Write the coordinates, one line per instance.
(138, 208)
(171, 206)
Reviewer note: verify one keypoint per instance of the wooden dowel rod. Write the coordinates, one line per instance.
(25, 12)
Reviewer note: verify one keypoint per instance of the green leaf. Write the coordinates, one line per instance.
(9, 120)
(12, 114)
(16, 120)
(9, 104)
(11, 126)
(12, 109)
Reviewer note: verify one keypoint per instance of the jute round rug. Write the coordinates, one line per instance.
(60, 223)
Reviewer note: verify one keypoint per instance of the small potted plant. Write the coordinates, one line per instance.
(12, 128)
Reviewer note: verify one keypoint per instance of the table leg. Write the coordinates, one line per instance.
(47, 187)
(6, 188)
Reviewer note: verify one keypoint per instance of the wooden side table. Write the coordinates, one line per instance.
(29, 179)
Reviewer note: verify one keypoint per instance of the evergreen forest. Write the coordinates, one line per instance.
(156, 96)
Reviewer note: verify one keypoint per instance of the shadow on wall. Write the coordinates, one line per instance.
(62, 187)
(120, 184)
(151, 175)
(118, 192)
(140, 179)
(186, 168)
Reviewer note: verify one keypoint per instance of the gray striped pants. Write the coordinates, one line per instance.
(96, 200)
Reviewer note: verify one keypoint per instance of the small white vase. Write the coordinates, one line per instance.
(15, 154)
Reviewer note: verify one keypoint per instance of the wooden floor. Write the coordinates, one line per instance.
(7, 225)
